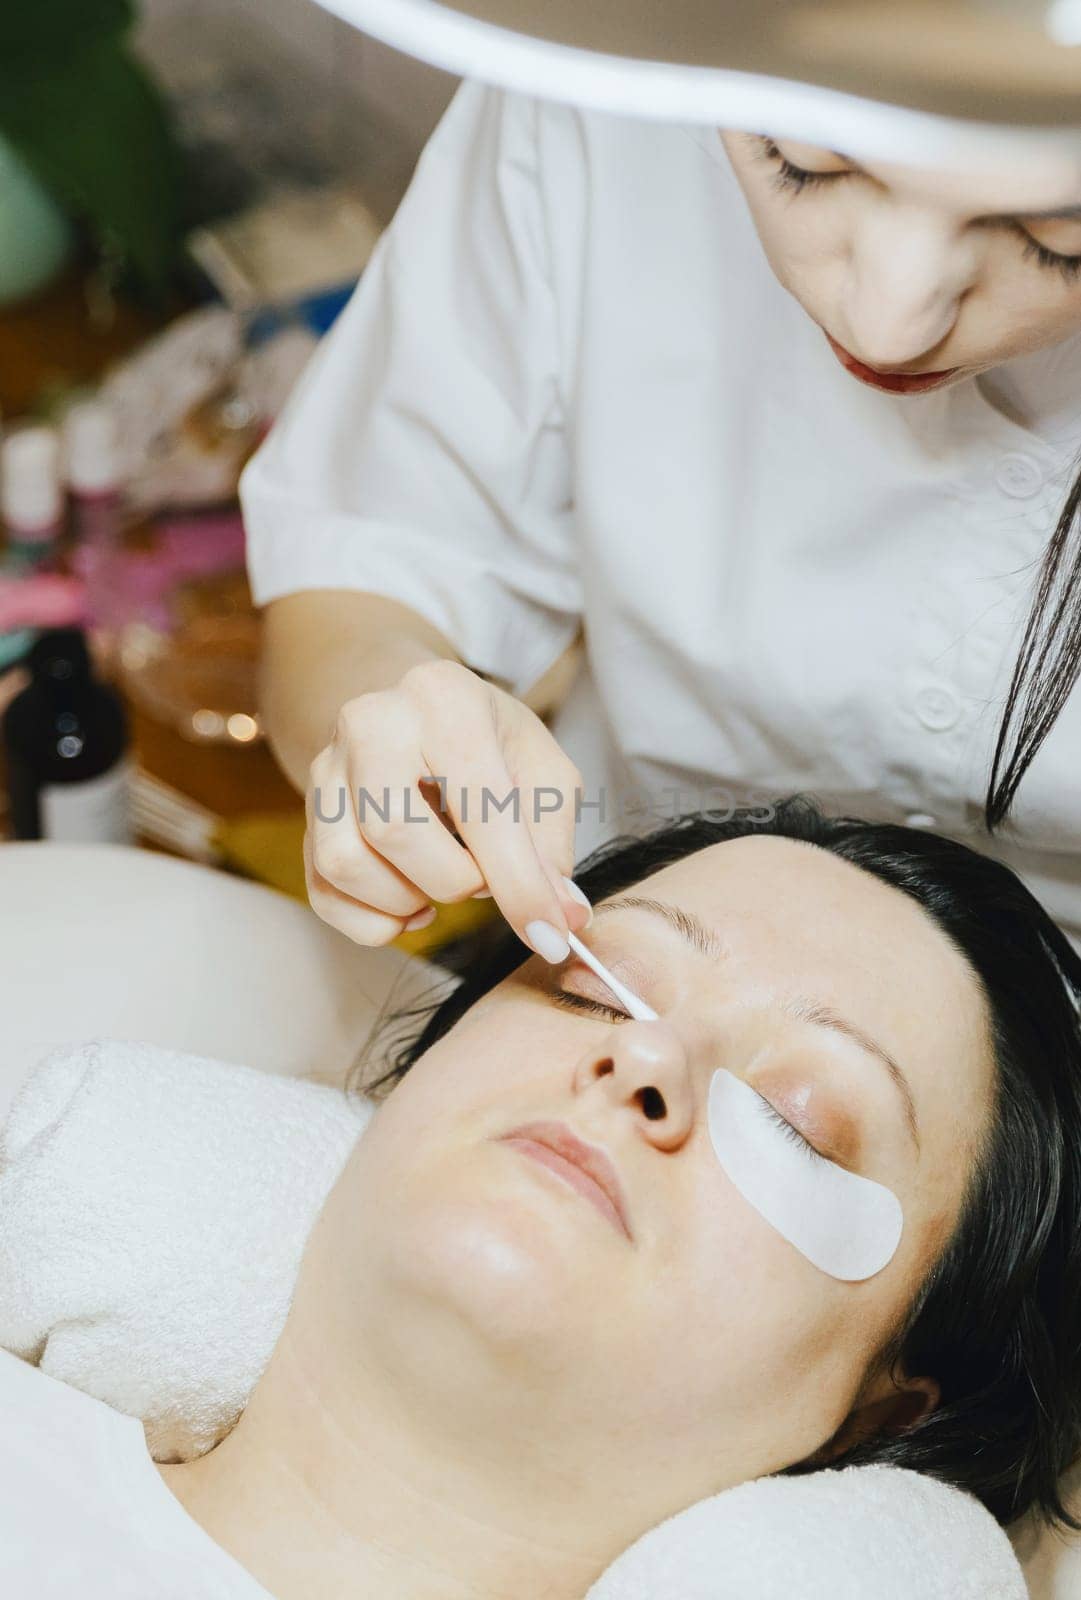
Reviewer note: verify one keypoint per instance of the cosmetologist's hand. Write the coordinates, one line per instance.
(440, 788)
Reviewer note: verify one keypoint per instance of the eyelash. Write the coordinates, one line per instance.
(580, 1003)
(788, 177)
(1069, 266)
(792, 1134)
(597, 1008)
(791, 179)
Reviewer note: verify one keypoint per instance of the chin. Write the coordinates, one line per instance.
(499, 1267)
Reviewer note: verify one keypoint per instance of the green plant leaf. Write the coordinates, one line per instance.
(38, 33)
(95, 131)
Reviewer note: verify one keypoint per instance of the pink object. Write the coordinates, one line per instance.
(199, 547)
(141, 583)
(42, 600)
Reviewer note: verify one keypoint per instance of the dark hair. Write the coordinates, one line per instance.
(998, 1321)
(1048, 663)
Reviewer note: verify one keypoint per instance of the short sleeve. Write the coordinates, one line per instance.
(424, 454)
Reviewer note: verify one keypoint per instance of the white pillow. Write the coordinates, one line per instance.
(154, 1207)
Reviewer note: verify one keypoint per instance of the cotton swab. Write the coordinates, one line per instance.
(628, 1000)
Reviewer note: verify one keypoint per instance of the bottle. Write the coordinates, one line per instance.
(92, 476)
(31, 501)
(65, 741)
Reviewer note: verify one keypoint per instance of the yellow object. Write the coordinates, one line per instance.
(269, 846)
(451, 922)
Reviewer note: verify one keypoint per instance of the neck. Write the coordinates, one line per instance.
(327, 1495)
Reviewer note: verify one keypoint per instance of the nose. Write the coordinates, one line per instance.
(643, 1067)
(908, 273)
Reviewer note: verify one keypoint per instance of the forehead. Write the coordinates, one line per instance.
(793, 919)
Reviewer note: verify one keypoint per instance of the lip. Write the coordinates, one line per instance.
(891, 382)
(583, 1167)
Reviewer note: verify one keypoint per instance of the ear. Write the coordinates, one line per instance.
(890, 1405)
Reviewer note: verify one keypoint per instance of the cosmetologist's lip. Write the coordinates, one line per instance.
(584, 1167)
(892, 382)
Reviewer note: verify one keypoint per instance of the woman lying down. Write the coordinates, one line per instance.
(825, 1210)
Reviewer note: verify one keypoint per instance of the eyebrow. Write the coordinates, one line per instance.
(701, 938)
(825, 1017)
(689, 927)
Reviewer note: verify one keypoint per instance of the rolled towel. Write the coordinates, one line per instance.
(154, 1207)
(153, 1212)
(858, 1533)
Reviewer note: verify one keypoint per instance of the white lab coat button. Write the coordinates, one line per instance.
(937, 708)
(920, 819)
(1018, 475)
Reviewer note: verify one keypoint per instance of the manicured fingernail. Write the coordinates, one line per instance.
(420, 919)
(576, 894)
(482, 894)
(547, 941)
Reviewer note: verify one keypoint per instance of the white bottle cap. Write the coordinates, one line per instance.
(30, 496)
(91, 449)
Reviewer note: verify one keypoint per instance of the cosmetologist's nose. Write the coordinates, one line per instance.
(643, 1066)
(908, 274)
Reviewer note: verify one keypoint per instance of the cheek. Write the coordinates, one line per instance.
(1017, 309)
(1045, 312)
(743, 1345)
(490, 1058)
(802, 250)
(745, 1310)
(797, 250)
(470, 1086)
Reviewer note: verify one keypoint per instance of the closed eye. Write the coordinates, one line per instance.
(1053, 260)
(788, 176)
(596, 1008)
(792, 1134)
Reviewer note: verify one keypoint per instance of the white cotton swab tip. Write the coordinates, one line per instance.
(628, 1000)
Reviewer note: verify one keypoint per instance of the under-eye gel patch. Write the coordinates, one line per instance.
(847, 1226)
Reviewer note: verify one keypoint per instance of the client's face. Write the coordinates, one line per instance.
(657, 1339)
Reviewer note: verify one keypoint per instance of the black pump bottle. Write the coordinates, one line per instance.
(65, 744)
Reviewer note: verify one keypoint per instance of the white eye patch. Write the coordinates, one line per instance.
(847, 1226)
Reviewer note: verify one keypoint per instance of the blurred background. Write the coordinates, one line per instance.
(189, 191)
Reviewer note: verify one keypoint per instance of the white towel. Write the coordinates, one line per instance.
(153, 1211)
(862, 1533)
(154, 1208)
